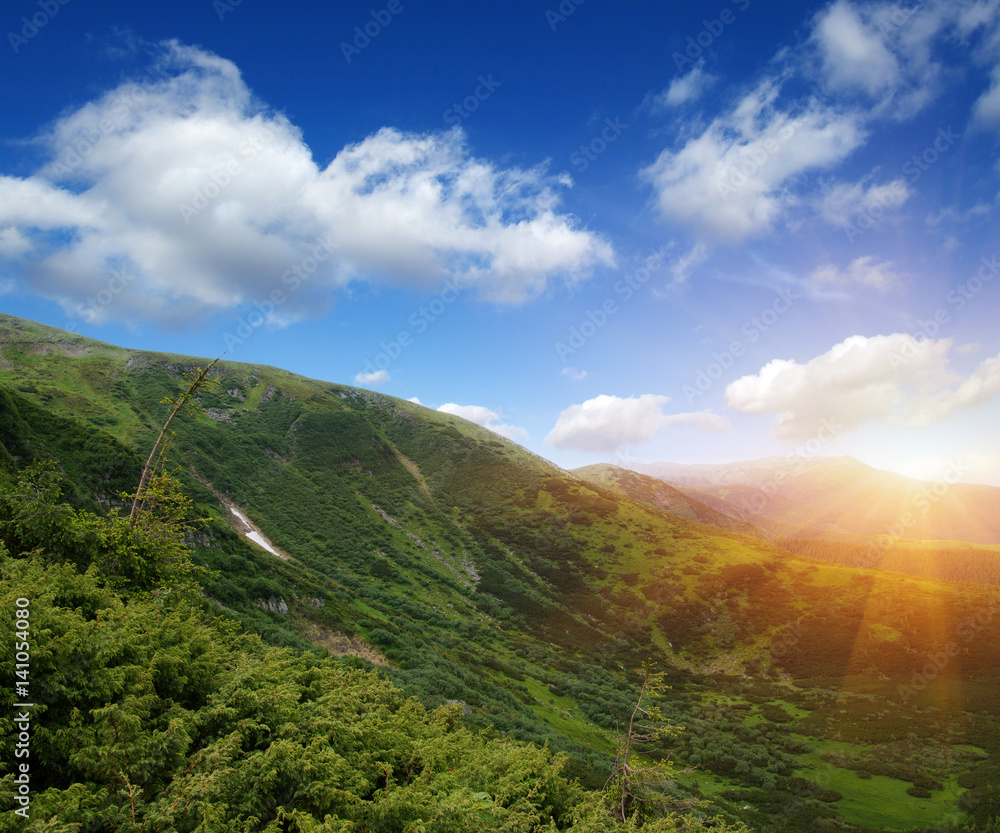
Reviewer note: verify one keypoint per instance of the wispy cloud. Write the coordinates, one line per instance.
(684, 88)
(729, 182)
(866, 272)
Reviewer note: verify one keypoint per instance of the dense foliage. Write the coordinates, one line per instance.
(504, 595)
(151, 714)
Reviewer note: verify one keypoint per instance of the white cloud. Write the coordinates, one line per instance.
(986, 110)
(950, 214)
(754, 164)
(731, 180)
(474, 413)
(973, 392)
(574, 374)
(890, 51)
(606, 422)
(701, 420)
(685, 88)
(854, 54)
(213, 201)
(867, 272)
(372, 379)
(896, 378)
(487, 419)
(845, 203)
(13, 244)
(415, 400)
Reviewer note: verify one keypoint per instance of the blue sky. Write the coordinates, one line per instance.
(612, 232)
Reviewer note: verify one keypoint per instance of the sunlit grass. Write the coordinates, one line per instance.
(878, 801)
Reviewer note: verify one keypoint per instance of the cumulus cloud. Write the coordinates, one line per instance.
(373, 379)
(897, 378)
(211, 200)
(606, 422)
(730, 181)
(486, 418)
(867, 272)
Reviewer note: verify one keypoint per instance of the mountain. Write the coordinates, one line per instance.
(841, 494)
(464, 569)
(655, 492)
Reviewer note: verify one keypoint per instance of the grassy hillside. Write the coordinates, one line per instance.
(474, 572)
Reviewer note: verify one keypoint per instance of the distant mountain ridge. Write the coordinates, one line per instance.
(655, 492)
(839, 494)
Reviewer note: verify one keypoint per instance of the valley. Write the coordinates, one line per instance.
(807, 689)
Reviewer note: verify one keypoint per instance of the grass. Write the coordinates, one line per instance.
(878, 802)
(559, 713)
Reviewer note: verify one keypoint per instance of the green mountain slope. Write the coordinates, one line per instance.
(477, 573)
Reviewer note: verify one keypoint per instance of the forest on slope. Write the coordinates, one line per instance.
(474, 572)
(147, 712)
